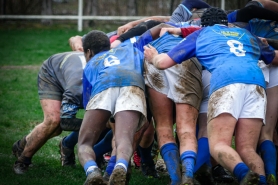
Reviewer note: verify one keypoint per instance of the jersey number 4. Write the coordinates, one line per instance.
(236, 47)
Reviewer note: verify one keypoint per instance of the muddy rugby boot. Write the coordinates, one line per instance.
(219, 174)
(251, 178)
(95, 178)
(67, 156)
(148, 170)
(271, 180)
(118, 176)
(204, 175)
(20, 167)
(18, 147)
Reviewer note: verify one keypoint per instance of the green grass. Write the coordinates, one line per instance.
(20, 109)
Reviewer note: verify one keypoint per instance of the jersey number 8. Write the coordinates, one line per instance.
(236, 47)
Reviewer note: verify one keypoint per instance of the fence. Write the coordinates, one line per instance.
(80, 16)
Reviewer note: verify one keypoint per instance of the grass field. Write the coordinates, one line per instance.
(22, 52)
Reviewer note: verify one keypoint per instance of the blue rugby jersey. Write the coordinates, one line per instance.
(230, 54)
(166, 42)
(118, 67)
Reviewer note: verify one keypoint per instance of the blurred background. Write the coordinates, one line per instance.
(125, 8)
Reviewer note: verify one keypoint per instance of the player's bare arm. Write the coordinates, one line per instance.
(160, 61)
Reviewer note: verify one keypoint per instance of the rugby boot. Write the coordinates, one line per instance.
(204, 175)
(20, 167)
(18, 147)
(106, 176)
(67, 156)
(271, 179)
(251, 178)
(186, 180)
(118, 176)
(95, 178)
(219, 174)
(148, 170)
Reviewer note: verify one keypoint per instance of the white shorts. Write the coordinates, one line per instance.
(240, 100)
(273, 76)
(206, 75)
(118, 99)
(180, 83)
(265, 70)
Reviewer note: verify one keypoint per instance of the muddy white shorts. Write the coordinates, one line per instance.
(181, 83)
(240, 100)
(118, 99)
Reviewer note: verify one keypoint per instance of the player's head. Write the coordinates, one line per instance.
(94, 42)
(214, 16)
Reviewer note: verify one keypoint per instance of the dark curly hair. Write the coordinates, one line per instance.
(214, 16)
(96, 41)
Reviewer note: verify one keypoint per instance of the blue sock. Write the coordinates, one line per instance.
(268, 154)
(71, 140)
(188, 161)
(145, 154)
(262, 180)
(105, 145)
(203, 155)
(123, 163)
(89, 164)
(170, 155)
(110, 165)
(240, 171)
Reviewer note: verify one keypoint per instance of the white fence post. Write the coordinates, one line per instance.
(80, 14)
(223, 4)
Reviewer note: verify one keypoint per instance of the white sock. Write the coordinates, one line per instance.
(91, 168)
(121, 164)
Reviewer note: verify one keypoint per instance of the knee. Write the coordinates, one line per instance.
(52, 122)
(245, 151)
(216, 148)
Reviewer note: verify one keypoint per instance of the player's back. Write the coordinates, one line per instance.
(230, 54)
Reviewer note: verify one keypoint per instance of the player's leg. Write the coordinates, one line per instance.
(225, 106)
(130, 116)
(112, 162)
(246, 139)
(269, 4)
(39, 135)
(266, 146)
(186, 118)
(162, 110)
(94, 122)
(145, 149)
(220, 132)
(126, 123)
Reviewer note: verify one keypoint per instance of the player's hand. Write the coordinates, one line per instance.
(175, 31)
(150, 52)
(264, 40)
(76, 43)
(124, 28)
(115, 43)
